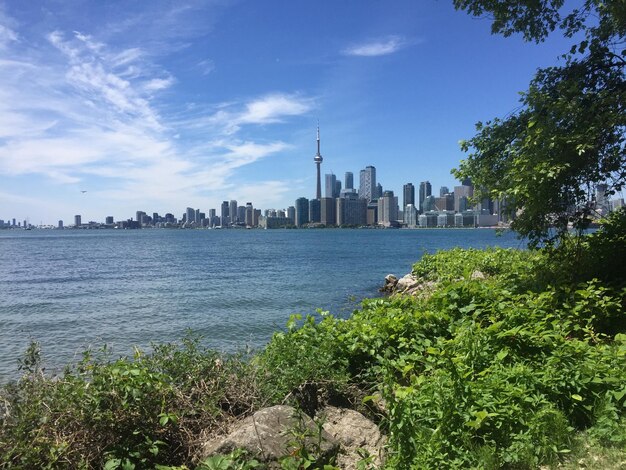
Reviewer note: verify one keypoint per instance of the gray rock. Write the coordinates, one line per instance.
(267, 435)
(407, 282)
(390, 283)
(354, 432)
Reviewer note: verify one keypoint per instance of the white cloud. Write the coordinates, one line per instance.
(85, 110)
(376, 48)
(272, 108)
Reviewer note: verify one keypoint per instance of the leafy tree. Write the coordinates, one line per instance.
(546, 159)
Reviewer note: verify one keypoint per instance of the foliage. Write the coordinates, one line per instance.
(545, 160)
(126, 413)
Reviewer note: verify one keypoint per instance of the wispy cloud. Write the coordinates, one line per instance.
(88, 109)
(380, 47)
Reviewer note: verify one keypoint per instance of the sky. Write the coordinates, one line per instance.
(107, 108)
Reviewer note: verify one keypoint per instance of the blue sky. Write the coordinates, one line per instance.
(159, 105)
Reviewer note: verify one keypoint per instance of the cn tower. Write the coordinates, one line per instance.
(318, 160)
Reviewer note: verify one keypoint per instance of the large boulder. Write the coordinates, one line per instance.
(358, 436)
(272, 433)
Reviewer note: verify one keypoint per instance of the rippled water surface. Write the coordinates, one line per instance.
(71, 289)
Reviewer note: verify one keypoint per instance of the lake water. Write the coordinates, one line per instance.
(74, 289)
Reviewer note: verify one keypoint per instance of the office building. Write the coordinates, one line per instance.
(408, 195)
(367, 183)
(315, 214)
(327, 211)
(443, 191)
(249, 215)
(462, 194)
(232, 212)
(225, 213)
(349, 180)
(190, 215)
(77, 221)
(387, 209)
(302, 212)
(410, 216)
(351, 210)
(425, 190)
(109, 220)
(331, 179)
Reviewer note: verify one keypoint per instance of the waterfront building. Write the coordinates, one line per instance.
(291, 214)
(256, 215)
(445, 219)
(241, 215)
(109, 220)
(387, 209)
(232, 211)
(77, 221)
(349, 180)
(139, 215)
(302, 211)
(249, 219)
(410, 216)
(408, 195)
(60, 225)
(351, 210)
(462, 194)
(372, 213)
(318, 161)
(427, 219)
(367, 183)
(315, 211)
(190, 215)
(425, 191)
(225, 213)
(327, 211)
(465, 219)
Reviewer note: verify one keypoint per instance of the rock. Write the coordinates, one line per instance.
(353, 431)
(477, 275)
(390, 283)
(267, 436)
(406, 283)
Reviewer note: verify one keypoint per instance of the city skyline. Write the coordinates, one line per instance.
(109, 107)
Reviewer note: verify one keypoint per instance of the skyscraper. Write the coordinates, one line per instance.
(318, 161)
(232, 211)
(331, 181)
(191, 215)
(367, 183)
(408, 195)
(349, 180)
(302, 211)
(225, 214)
(387, 209)
(425, 190)
(77, 221)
